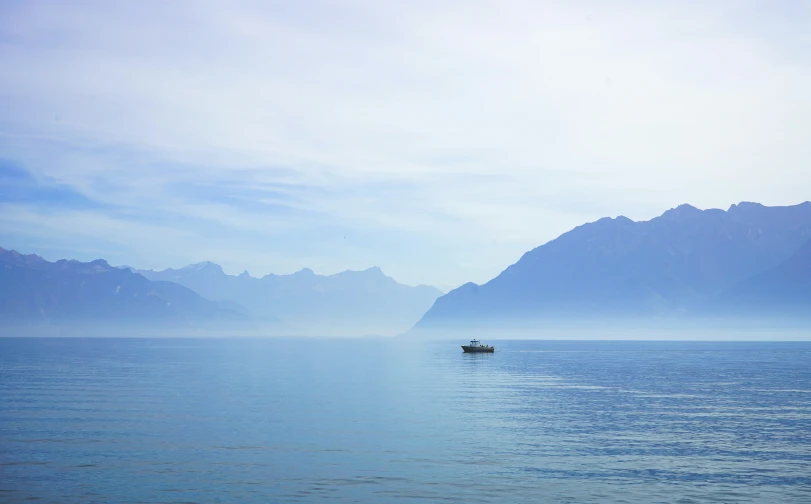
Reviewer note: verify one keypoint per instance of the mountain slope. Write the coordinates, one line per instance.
(782, 290)
(620, 268)
(34, 290)
(352, 302)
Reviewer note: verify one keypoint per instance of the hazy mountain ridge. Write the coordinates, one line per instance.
(671, 265)
(749, 260)
(350, 302)
(33, 290)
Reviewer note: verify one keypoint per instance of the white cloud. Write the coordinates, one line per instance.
(480, 129)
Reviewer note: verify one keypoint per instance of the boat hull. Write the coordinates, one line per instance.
(471, 349)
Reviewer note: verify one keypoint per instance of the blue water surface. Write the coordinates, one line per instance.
(366, 420)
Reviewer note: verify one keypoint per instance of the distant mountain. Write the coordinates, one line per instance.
(33, 290)
(784, 290)
(668, 266)
(352, 302)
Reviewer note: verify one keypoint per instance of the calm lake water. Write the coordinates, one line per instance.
(110, 420)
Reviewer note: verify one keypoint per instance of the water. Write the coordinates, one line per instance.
(107, 420)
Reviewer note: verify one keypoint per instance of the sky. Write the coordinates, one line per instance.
(436, 140)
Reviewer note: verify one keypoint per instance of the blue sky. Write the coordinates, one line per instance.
(437, 140)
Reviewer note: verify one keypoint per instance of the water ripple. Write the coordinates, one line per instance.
(381, 421)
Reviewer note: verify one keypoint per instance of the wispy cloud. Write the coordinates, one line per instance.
(439, 141)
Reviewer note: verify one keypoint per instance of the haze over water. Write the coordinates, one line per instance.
(364, 420)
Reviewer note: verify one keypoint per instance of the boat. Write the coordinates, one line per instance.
(475, 346)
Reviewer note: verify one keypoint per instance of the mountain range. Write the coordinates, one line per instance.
(34, 291)
(64, 293)
(687, 262)
(351, 302)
